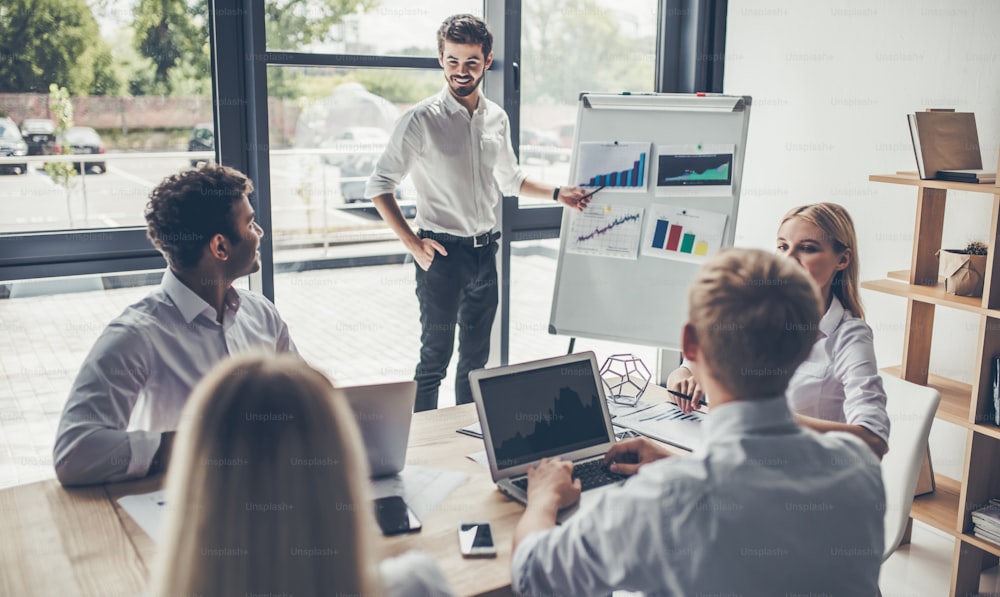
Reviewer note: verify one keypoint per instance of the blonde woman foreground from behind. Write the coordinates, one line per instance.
(267, 493)
(837, 388)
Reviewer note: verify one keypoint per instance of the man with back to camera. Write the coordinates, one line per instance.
(457, 146)
(765, 507)
(123, 408)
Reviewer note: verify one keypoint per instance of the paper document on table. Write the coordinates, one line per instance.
(422, 488)
(148, 511)
(668, 424)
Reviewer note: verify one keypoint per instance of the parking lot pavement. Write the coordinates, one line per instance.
(359, 325)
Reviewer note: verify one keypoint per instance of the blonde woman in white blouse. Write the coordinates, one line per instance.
(837, 388)
(268, 493)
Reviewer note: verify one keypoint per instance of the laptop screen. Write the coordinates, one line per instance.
(543, 412)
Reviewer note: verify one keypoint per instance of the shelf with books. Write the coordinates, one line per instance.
(983, 544)
(911, 178)
(949, 507)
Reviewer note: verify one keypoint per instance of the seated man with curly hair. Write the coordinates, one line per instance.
(125, 404)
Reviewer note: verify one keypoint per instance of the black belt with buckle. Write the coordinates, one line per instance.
(476, 242)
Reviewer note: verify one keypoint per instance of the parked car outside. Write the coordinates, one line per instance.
(40, 135)
(565, 134)
(12, 144)
(202, 139)
(83, 140)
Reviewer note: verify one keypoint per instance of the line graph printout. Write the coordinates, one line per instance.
(605, 231)
(617, 165)
(683, 234)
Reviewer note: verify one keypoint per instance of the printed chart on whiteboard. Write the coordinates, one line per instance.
(683, 234)
(605, 231)
(621, 166)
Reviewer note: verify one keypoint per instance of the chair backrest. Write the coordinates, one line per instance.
(911, 409)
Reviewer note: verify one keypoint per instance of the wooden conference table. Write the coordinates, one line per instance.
(57, 541)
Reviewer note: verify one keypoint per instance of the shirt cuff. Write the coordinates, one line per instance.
(376, 187)
(143, 445)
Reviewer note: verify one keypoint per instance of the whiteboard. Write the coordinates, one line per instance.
(623, 270)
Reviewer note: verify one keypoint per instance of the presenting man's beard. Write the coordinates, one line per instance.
(466, 87)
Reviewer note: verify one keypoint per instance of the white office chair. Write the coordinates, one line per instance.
(911, 409)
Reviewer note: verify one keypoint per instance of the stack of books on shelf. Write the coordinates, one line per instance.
(946, 145)
(986, 522)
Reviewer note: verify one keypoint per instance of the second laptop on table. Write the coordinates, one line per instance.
(545, 409)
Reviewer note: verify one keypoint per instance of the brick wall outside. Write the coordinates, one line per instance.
(145, 112)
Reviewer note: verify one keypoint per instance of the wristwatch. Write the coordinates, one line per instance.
(555, 194)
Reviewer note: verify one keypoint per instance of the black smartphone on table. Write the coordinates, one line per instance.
(394, 516)
(475, 540)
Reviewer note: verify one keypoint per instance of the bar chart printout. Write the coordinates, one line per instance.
(617, 165)
(683, 234)
(605, 231)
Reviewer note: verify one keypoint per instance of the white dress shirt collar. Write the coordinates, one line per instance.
(766, 416)
(452, 105)
(831, 319)
(189, 303)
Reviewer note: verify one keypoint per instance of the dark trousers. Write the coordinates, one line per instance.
(459, 288)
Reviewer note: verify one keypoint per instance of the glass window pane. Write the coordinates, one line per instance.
(384, 27)
(52, 323)
(568, 47)
(129, 91)
(328, 128)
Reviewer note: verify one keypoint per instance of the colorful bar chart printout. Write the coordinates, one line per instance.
(683, 234)
(615, 165)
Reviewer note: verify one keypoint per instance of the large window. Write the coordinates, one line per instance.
(81, 113)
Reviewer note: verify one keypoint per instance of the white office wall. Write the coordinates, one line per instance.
(832, 83)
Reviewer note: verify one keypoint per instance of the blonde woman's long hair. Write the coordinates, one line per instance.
(838, 229)
(267, 493)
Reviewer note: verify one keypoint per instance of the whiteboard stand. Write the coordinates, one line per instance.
(643, 299)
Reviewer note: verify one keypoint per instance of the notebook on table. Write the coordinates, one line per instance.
(545, 409)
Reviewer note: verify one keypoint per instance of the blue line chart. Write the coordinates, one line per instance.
(614, 224)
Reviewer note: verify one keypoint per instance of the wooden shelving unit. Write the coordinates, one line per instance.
(949, 507)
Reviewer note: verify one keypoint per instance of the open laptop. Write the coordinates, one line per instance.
(383, 412)
(544, 409)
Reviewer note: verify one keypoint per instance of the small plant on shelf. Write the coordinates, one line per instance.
(964, 270)
(976, 248)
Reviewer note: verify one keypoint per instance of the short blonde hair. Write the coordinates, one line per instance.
(267, 492)
(838, 229)
(756, 316)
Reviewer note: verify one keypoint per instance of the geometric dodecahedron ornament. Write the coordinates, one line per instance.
(625, 378)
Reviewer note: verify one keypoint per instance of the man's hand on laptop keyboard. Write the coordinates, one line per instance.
(552, 482)
(627, 456)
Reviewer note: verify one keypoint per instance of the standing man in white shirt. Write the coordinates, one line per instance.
(457, 147)
(125, 404)
(765, 507)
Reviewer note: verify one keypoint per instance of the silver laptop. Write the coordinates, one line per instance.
(543, 409)
(383, 412)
